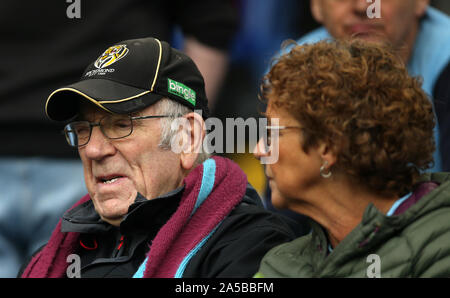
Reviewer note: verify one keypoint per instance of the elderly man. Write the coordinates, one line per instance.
(419, 32)
(151, 212)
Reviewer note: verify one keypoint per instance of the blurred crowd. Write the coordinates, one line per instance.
(233, 61)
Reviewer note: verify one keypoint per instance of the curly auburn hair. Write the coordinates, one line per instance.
(358, 98)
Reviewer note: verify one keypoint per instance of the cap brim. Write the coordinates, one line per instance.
(63, 103)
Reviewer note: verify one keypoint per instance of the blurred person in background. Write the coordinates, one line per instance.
(355, 137)
(419, 33)
(46, 45)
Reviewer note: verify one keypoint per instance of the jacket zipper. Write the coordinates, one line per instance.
(120, 247)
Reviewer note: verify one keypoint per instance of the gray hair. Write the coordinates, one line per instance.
(167, 106)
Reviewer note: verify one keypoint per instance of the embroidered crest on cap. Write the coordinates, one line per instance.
(111, 55)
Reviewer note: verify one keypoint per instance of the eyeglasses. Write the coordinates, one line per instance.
(270, 137)
(78, 133)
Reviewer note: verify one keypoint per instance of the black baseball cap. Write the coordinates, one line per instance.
(130, 76)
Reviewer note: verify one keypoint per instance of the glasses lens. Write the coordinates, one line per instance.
(116, 127)
(272, 134)
(77, 133)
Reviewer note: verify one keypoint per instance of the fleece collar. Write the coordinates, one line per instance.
(143, 214)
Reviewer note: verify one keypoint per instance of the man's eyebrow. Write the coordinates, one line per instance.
(80, 117)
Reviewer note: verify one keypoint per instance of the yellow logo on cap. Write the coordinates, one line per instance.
(111, 55)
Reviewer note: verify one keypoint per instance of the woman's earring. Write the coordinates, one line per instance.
(323, 168)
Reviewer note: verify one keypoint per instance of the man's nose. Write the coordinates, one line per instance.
(99, 146)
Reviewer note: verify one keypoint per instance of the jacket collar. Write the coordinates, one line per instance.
(375, 226)
(142, 215)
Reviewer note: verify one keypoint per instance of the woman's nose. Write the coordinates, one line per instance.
(260, 149)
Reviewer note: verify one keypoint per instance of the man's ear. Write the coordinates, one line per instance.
(194, 134)
(421, 7)
(316, 10)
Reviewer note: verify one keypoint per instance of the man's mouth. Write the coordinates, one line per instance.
(109, 179)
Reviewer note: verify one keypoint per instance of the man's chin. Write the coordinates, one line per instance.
(114, 221)
(113, 217)
(112, 210)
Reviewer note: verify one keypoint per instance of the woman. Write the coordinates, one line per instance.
(354, 133)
